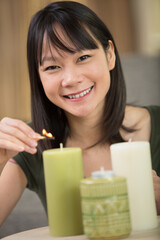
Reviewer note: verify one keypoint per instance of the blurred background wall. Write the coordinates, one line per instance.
(135, 25)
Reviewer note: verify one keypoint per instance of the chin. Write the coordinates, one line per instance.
(81, 113)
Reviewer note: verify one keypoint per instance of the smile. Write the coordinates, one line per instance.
(82, 94)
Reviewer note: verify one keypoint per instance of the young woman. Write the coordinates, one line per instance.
(78, 94)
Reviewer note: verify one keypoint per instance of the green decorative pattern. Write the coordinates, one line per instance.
(105, 208)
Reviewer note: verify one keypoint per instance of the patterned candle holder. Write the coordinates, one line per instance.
(105, 208)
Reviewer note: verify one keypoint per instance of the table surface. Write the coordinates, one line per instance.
(43, 233)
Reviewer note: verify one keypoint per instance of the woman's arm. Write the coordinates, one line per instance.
(12, 184)
(15, 136)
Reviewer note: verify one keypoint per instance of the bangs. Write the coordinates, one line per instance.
(75, 34)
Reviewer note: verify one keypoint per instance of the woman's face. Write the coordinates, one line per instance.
(77, 82)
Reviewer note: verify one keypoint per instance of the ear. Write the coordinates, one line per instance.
(110, 54)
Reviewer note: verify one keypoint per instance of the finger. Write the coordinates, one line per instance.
(7, 131)
(5, 144)
(16, 148)
(12, 143)
(154, 173)
(156, 179)
(18, 124)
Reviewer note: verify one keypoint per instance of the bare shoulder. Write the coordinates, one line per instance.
(137, 118)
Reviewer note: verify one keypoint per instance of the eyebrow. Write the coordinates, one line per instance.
(45, 59)
(51, 58)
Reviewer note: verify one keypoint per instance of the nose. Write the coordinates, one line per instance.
(70, 77)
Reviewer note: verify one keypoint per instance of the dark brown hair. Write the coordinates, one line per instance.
(74, 19)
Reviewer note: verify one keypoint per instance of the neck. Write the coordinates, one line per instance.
(84, 131)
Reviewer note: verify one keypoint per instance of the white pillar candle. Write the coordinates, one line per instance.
(133, 161)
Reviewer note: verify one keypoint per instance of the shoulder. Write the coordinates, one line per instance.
(139, 119)
(136, 116)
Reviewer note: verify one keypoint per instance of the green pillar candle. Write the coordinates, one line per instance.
(63, 172)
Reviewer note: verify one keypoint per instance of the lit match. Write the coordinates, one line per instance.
(46, 135)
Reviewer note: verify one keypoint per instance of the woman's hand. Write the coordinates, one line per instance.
(16, 136)
(156, 183)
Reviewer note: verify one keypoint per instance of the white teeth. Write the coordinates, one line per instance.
(80, 95)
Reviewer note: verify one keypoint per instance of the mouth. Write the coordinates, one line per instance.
(79, 95)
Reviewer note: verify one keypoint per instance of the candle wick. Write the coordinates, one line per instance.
(102, 169)
(61, 146)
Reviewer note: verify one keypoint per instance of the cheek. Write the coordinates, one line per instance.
(99, 68)
(50, 87)
(101, 74)
(104, 79)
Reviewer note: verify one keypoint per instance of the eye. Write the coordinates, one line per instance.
(49, 68)
(82, 58)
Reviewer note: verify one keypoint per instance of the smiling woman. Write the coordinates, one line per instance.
(77, 93)
(69, 64)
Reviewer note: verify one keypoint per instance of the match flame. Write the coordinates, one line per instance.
(44, 132)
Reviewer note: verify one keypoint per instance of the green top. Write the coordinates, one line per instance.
(155, 137)
(32, 165)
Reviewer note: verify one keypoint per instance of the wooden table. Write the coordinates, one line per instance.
(43, 233)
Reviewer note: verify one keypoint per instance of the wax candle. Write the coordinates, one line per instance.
(105, 206)
(63, 172)
(133, 160)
